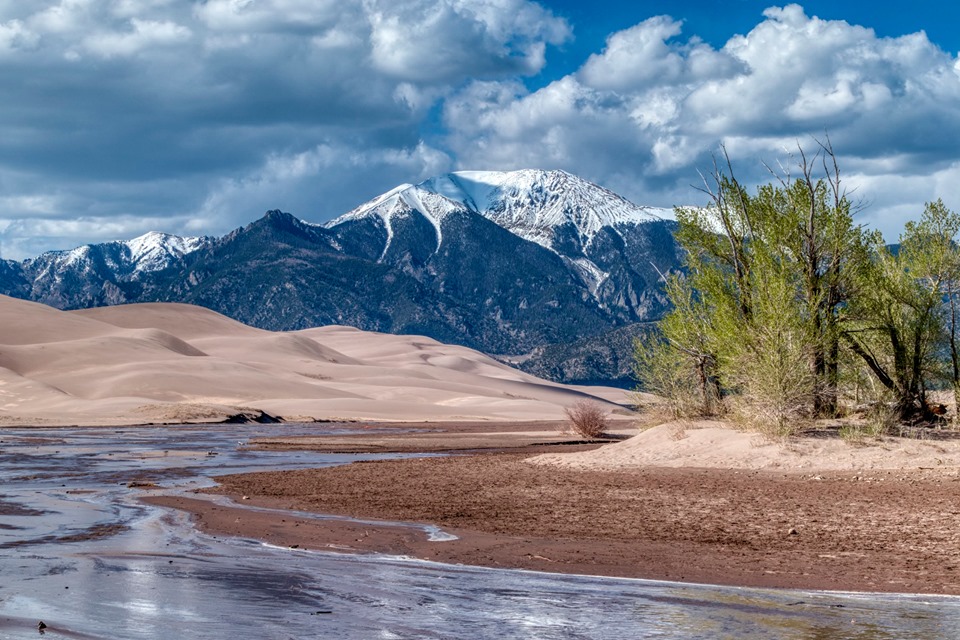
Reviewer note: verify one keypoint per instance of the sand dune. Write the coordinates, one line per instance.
(186, 321)
(716, 444)
(174, 362)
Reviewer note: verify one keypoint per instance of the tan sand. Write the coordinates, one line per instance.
(864, 531)
(708, 444)
(144, 363)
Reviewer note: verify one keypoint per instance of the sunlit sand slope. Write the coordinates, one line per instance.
(174, 362)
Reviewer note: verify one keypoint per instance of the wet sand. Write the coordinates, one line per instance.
(864, 531)
(437, 437)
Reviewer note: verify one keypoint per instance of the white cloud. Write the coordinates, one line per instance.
(252, 16)
(14, 35)
(656, 106)
(131, 8)
(62, 17)
(893, 196)
(141, 35)
(635, 57)
(123, 108)
(36, 205)
(434, 40)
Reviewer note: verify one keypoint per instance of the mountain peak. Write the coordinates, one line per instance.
(276, 215)
(400, 202)
(534, 203)
(284, 222)
(547, 207)
(156, 250)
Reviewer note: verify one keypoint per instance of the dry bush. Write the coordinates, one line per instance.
(859, 432)
(588, 418)
(673, 376)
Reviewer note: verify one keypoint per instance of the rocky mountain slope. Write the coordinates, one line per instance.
(520, 263)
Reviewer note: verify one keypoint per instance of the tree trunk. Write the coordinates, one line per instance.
(709, 385)
(832, 372)
(954, 355)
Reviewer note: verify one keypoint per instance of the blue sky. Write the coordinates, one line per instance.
(716, 21)
(193, 117)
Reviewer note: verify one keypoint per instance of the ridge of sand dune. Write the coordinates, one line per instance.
(280, 347)
(147, 362)
(713, 444)
(183, 320)
(413, 350)
(26, 322)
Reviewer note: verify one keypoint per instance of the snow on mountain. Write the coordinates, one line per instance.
(533, 204)
(404, 201)
(152, 251)
(536, 205)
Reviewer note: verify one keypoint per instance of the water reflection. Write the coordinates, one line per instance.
(149, 574)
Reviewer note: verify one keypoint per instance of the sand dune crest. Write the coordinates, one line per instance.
(150, 362)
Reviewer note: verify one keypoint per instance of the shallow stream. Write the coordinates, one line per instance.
(80, 552)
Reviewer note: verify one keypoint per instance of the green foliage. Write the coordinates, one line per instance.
(680, 366)
(758, 313)
(672, 374)
(904, 318)
(789, 306)
(769, 365)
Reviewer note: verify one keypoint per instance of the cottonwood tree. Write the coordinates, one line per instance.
(905, 317)
(822, 250)
(781, 289)
(767, 278)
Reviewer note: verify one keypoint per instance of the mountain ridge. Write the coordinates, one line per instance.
(507, 263)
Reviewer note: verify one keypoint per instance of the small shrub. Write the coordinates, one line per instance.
(666, 372)
(882, 419)
(878, 420)
(771, 424)
(587, 418)
(853, 433)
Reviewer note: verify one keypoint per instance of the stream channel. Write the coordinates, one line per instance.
(80, 552)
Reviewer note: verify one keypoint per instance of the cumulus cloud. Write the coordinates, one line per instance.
(124, 113)
(491, 37)
(120, 116)
(15, 36)
(329, 179)
(141, 34)
(271, 16)
(646, 56)
(651, 108)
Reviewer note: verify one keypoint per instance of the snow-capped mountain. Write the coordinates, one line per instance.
(152, 251)
(557, 210)
(539, 205)
(99, 273)
(401, 203)
(504, 262)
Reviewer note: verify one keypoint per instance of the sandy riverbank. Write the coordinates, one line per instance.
(870, 529)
